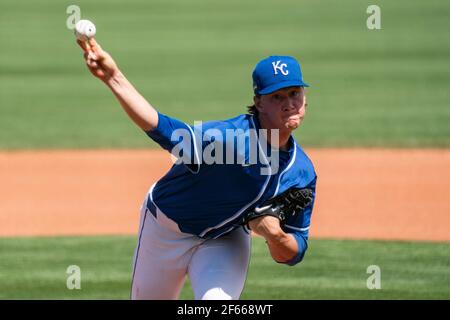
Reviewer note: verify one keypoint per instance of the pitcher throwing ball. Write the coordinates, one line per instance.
(231, 176)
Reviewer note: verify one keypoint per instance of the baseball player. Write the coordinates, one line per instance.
(230, 176)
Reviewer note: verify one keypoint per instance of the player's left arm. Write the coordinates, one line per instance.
(288, 243)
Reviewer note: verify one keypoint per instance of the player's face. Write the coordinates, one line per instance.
(282, 109)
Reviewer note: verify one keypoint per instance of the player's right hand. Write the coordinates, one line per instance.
(98, 61)
(266, 226)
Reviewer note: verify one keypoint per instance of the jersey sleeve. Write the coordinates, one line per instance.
(200, 145)
(178, 138)
(299, 228)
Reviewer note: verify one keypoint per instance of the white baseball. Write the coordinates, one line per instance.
(84, 29)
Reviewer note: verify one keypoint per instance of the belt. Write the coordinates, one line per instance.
(215, 233)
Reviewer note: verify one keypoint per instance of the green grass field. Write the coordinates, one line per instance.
(35, 268)
(193, 60)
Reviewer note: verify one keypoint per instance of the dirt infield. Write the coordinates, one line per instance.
(362, 193)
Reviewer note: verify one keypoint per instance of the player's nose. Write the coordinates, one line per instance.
(289, 105)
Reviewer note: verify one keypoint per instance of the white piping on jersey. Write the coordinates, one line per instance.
(195, 152)
(151, 197)
(287, 168)
(278, 185)
(228, 230)
(254, 200)
(298, 229)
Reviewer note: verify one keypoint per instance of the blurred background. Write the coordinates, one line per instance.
(371, 91)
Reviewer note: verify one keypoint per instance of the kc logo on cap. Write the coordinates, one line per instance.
(277, 66)
(277, 72)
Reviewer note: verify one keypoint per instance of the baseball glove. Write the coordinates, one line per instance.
(288, 204)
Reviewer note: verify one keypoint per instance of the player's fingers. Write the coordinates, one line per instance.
(92, 64)
(82, 44)
(96, 47)
(93, 43)
(92, 55)
(88, 52)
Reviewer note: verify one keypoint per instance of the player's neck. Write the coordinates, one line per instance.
(277, 138)
(282, 142)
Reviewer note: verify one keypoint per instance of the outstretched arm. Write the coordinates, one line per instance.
(102, 66)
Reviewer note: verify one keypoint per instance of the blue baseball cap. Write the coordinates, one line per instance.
(277, 72)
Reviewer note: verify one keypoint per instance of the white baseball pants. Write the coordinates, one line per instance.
(217, 268)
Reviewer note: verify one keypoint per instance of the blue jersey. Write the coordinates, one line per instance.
(208, 196)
